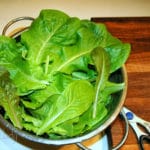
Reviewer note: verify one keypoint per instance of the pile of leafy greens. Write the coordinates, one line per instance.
(58, 75)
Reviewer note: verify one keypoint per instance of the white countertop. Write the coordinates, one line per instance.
(86, 9)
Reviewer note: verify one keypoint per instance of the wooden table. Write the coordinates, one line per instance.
(135, 30)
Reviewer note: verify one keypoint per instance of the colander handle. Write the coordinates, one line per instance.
(122, 114)
(13, 21)
(126, 132)
(82, 147)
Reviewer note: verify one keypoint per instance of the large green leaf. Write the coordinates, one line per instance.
(22, 76)
(8, 49)
(38, 38)
(10, 101)
(101, 60)
(87, 117)
(74, 57)
(118, 51)
(57, 86)
(118, 54)
(71, 103)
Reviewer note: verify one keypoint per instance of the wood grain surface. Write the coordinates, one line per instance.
(136, 31)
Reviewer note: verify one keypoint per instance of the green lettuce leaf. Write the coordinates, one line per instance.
(38, 38)
(102, 64)
(57, 86)
(10, 101)
(68, 105)
(117, 50)
(20, 73)
(118, 54)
